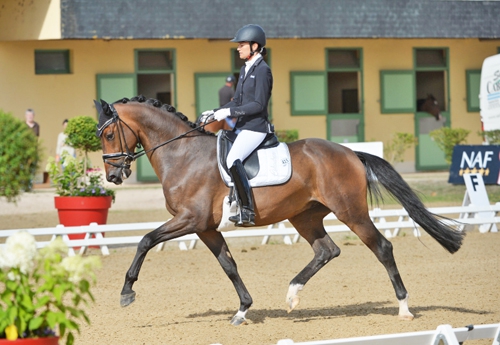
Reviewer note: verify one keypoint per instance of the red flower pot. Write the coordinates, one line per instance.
(82, 210)
(31, 341)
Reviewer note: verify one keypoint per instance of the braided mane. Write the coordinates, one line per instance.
(163, 107)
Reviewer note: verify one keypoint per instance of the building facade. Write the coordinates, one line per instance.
(345, 71)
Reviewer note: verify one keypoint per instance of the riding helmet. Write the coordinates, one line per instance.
(251, 33)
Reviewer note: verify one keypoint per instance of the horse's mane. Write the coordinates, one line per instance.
(167, 108)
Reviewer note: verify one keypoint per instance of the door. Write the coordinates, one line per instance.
(112, 87)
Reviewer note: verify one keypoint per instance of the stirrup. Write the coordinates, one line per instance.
(244, 218)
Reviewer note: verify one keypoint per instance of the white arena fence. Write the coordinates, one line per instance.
(390, 222)
(443, 335)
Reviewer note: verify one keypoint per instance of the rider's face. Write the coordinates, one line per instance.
(244, 49)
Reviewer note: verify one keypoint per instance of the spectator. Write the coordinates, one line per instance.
(62, 145)
(30, 121)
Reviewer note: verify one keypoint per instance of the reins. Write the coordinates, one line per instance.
(128, 154)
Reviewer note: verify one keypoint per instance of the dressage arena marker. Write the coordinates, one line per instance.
(476, 194)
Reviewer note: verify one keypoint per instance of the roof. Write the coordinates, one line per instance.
(220, 19)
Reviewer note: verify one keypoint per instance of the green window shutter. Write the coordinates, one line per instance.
(397, 90)
(308, 93)
(112, 87)
(473, 85)
(207, 87)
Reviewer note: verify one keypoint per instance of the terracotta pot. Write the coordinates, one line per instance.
(82, 210)
(32, 341)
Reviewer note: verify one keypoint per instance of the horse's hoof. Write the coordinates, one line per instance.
(292, 303)
(127, 299)
(406, 317)
(238, 320)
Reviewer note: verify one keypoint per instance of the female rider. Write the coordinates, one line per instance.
(249, 106)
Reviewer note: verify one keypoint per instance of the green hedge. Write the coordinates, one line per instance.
(20, 154)
(287, 136)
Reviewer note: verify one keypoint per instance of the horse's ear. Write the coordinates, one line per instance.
(98, 107)
(105, 108)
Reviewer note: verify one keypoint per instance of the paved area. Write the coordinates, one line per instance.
(41, 199)
(134, 196)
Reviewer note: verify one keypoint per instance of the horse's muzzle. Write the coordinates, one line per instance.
(118, 175)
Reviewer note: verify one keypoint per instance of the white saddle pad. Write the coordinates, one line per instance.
(275, 167)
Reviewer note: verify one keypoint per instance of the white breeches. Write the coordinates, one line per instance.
(243, 145)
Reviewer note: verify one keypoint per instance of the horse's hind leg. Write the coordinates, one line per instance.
(382, 248)
(310, 226)
(218, 246)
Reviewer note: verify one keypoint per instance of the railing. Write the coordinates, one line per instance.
(444, 334)
(114, 233)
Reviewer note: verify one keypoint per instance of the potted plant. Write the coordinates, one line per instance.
(43, 293)
(82, 199)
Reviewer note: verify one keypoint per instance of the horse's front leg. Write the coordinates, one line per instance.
(218, 246)
(175, 227)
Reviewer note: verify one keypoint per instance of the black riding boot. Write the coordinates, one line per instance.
(246, 217)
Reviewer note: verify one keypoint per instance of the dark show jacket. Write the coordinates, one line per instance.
(251, 98)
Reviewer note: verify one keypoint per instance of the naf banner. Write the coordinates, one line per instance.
(475, 159)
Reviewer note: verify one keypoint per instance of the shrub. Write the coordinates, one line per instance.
(492, 137)
(446, 138)
(288, 136)
(395, 149)
(20, 153)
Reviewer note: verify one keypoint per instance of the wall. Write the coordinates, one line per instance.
(56, 97)
(30, 20)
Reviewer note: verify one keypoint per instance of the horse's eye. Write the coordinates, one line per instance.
(110, 136)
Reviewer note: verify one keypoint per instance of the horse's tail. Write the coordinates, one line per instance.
(380, 170)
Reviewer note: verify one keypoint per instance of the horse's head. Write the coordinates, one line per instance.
(118, 142)
(430, 105)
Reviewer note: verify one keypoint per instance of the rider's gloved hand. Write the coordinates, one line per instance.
(205, 115)
(221, 114)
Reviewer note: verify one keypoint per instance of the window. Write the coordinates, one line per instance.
(430, 58)
(154, 61)
(343, 77)
(52, 62)
(473, 78)
(343, 58)
(431, 74)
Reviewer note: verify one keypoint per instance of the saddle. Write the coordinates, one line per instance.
(251, 163)
(268, 164)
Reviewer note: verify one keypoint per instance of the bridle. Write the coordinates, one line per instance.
(128, 154)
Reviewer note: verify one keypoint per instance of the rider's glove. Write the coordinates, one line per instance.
(221, 114)
(205, 115)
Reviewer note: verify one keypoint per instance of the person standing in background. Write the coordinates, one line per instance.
(226, 94)
(62, 145)
(30, 121)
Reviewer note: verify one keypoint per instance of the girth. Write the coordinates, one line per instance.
(251, 163)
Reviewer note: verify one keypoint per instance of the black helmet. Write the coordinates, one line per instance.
(230, 78)
(251, 33)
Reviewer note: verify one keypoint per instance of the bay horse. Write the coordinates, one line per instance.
(430, 105)
(326, 177)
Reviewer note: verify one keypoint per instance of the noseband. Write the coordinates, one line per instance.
(129, 155)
